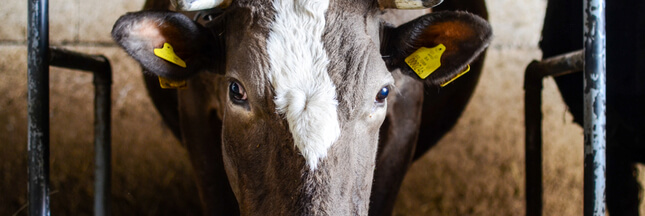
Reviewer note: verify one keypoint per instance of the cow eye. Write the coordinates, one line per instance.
(382, 94)
(236, 92)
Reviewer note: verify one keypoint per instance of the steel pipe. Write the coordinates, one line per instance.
(39, 59)
(100, 66)
(533, 138)
(594, 107)
(38, 106)
(535, 72)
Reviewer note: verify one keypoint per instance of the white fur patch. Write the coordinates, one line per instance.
(409, 4)
(305, 94)
(193, 5)
(414, 4)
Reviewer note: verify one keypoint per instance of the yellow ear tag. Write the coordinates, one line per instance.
(168, 54)
(454, 78)
(172, 84)
(425, 60)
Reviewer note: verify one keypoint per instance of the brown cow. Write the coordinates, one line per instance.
(285, 99)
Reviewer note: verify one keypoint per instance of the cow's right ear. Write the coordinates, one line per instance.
(140, 33)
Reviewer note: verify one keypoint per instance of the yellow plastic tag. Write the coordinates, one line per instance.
(454, 78)
(168, 54)
(172, 84)
(425, 60)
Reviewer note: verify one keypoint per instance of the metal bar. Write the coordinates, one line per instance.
(100, 66)
(594, 107)
(535, 72)
(38, 107)
(74, 60)
(102, 143)
(562, 64)
(533, 138)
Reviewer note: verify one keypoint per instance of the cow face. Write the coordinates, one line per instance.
(300, 88)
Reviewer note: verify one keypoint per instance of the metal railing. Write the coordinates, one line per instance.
(591, 60)
(535, 72)
(40, 57)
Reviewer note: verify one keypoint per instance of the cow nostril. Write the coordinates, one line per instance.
(382, 94)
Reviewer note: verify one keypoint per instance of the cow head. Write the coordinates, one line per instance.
(303, 89)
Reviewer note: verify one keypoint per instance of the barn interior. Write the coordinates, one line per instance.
(476, 169)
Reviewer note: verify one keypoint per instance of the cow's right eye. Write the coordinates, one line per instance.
(236, 92)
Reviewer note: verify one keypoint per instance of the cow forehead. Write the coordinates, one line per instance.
(297, 68)
(304, 92)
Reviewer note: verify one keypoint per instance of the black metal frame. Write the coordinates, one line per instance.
(535, 72)
(100, 67)
(595, 99)
(38, 107)
(40, 57)
(592, 60)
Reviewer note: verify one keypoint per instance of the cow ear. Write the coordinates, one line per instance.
(453, 39)
(188, 47)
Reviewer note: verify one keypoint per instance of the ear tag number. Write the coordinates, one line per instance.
(425, 60)
(454, 78)
(172, 84)
(168, 54)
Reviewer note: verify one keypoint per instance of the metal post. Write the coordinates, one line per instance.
(38, 107)
(535, 72)
(533, 138)
(39, 58)
(594, 108)
(100, 66)
(102, 140)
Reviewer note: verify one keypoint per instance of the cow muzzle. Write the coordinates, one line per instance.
(194, 5)
(408, 4)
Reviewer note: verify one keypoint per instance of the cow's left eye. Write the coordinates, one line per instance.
(382, 94)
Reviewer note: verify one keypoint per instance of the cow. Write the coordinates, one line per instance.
(562, 33)
(305, 107)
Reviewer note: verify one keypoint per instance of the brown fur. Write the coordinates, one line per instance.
(249, 145)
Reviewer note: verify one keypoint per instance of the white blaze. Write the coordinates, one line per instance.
(194, 5)
(409, 4)
(305, 94)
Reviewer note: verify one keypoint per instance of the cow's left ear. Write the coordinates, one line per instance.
(454, 39)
